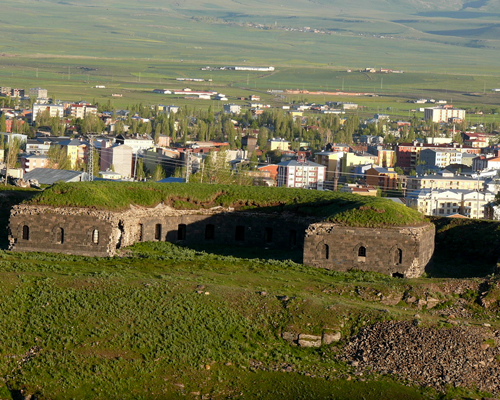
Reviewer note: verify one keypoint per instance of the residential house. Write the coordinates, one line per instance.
(351, 160)
(385, 157)
(76, 151)
(81, 110)
(444, 113)
(110, 175)
(408, 154)
(383, 178)
(136, 143)
(332, 161)
(29, 162)
(440, 157)
(54, 110)
(469, 203)
(484, 163)
(301, 174)
(232, 108)
(445, 181)
(362, 190)
(38, 93)
(279, 144)
(118, 158)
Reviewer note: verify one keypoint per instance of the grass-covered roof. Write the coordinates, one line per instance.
(336, 207)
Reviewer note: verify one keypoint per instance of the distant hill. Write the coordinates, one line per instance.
(302, 32)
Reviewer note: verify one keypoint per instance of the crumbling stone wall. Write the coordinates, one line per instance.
(398, 251)
(401, 251)
(62, 230)
(121, 229)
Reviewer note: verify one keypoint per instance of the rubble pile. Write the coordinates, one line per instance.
(458, 356)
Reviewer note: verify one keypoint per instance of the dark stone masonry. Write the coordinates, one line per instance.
(399, 251)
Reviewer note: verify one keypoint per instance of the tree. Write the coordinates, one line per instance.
(159, 173)
(58, 158)
(13, 151)
(140, 174)
(3, 123)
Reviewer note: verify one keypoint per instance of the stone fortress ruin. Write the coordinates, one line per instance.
(397, 251)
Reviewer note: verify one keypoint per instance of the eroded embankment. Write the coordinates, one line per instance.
(458, 356)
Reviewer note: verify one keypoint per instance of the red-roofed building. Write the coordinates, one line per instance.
(272, 169)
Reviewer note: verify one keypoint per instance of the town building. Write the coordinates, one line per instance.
(117, 158)
(81, 110)
(445, 181)
(301, 174)
(408, 154)
(38, 93)
(279, 144)
(54, 110)
(232, 108)
(332, 160)
(29, 162)
(383, 178)
(469, 203)
(485, 163)
(440, 157)
(444, 113)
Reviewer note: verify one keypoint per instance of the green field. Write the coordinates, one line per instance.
(140, 327)
(131, 48)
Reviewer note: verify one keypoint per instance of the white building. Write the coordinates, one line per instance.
(38, 93)
(232, 108)
(469, 203)
(118, 158)
(440, 157)
(81, 110)
(443, 113)
(55, 110)
(137, 144)
(301, 174)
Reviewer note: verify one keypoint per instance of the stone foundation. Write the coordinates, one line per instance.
(398, 251)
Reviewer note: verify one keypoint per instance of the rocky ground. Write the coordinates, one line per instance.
(457, 356)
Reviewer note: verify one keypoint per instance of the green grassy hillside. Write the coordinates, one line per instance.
(166, 322)
(397, 34)
(337, 207)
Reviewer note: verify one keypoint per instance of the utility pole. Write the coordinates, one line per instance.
(188, 165)
(202, 169)
(477, 203)
(135, 164)
(336, 176)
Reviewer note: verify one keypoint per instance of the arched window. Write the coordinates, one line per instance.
(95, 236)
(239, 234)
(181, 232)
(26, 232)
(293, 237)
(269, 235)
(399, 256)
(362, 251)
(210, 232)
(158, 232)
(141, 232)
(60, 236)
(326, 251)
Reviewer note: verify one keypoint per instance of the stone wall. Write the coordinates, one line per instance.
(62, 230)
(398, 251)
(72, 230)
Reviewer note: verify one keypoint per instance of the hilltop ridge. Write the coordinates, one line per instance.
(336, 207)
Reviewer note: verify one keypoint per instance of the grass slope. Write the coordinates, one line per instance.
(136, 326)
(337, 207)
